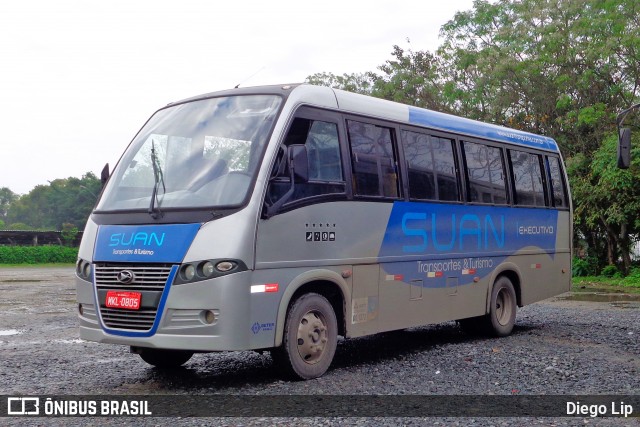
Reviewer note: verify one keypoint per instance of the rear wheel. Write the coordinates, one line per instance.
(501, 318)
(310, 338)
(164, 358)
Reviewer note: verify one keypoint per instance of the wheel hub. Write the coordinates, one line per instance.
(312, 337)
(503, 307)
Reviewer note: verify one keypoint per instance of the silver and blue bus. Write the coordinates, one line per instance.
(281, 217)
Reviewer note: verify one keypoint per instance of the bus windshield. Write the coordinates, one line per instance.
(197, 154)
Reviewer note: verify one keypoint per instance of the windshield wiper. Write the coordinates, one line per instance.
(158, 178)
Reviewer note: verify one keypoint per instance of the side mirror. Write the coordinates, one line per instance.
(624, 148)
(299, 162)
(104, 175)
(298, 169)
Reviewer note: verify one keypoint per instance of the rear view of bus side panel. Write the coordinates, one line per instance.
(548, 275)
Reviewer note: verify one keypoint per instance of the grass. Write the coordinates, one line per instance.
(629, 284)
(34, 255)
(49, 264)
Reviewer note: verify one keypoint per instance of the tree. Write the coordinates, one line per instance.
(561, 68)
(67, 200)
(31, 210)
(7, 197)
(607, 200)
(72, 199)
(357, 83)
(554, 67)
(411, 78)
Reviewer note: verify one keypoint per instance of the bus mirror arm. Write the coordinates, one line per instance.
(624, 139)
(104, 175)
(624, 148)
(298, 163)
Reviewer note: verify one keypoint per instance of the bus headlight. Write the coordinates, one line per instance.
(86, 270)
(188, 272)
(83, 269)
(196, 271)
(207, 269)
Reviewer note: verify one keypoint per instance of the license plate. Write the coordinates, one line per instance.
(122, 299)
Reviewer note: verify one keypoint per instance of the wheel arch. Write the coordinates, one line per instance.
(511, 272)
(327, 283)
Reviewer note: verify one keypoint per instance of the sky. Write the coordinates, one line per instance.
(78, 78)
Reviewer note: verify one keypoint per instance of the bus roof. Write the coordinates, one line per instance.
(388, 110)
(362, 104)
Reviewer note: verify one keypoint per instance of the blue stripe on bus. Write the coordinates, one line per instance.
(144, 243)
(447, 122)
(460, 241)
(416, 228)
(156, 323)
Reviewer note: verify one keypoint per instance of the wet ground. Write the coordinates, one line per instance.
(581, 343)
(615, 297)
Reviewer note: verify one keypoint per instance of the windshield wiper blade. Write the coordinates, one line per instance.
(158, 178)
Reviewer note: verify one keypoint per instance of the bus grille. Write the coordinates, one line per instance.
(139, 320)
(148, 279)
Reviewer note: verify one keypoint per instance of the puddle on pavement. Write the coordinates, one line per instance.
(620, 300)
(626, 304)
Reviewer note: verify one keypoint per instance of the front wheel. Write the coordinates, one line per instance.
(165, 359)
(310, 338)
(501, 318)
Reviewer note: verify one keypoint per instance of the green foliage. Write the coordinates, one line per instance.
(583, 267)
(560, 68)
(411, 78)
(610, 271)
(553, 67)
(356, 83)
(600, 283)
(67, 200)
(6, 198)
(69, 233)
(634, 277)
(607, 199)
(20, 226)
(37, 254)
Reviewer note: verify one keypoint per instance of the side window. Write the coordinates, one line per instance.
(431, 167)
(373, 159)
(323, 148)
(485, 173)
(557, 183)
(527, 178)
(325, 164)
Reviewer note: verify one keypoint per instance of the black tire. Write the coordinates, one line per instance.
(501, 318)
(310, 338)
(165, 359)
